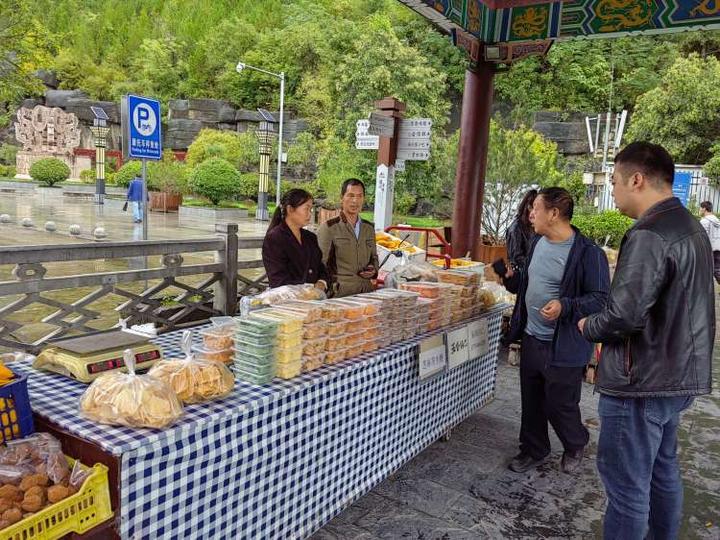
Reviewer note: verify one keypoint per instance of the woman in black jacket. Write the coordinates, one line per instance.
(290, 253)
(520, 233)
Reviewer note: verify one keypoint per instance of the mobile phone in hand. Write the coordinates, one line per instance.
(500, 267)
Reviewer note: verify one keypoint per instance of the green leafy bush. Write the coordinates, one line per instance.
(215, 179)
(7, 171)
(87, 176)
(215, 143)
(248, 186)
(8, 153)
(50, 171)
(127, 172)
(607, 226)
(168, 176)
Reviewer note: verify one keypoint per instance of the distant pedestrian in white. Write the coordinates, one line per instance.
(711, 224)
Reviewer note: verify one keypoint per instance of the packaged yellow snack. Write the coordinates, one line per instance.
(131, 400)
(194, 379)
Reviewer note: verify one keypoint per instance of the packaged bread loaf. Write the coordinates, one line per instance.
(132, 400)
(194, 379)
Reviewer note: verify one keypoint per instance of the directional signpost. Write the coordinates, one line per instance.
(142, 137)
(397, 140)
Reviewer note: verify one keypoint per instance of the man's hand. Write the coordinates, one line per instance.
(581, 325)
(552, 310)
(368, 272)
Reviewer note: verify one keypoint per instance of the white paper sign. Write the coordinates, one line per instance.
(478, 336)
(433, 356)
(458, 347)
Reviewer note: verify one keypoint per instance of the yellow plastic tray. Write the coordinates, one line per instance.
(78, 513)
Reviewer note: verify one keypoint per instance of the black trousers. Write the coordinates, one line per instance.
(716, 265)
(549, 394)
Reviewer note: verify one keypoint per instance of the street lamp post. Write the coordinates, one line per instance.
(265, 135)
(100, 131)
(240, 67)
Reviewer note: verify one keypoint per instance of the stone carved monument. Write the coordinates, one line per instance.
(48, 132)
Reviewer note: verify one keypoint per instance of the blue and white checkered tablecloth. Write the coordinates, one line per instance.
(277, 461)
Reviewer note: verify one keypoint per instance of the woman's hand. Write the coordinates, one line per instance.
(321, 284)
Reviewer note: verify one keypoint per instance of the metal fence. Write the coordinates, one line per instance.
(700, 190)
(38, 307)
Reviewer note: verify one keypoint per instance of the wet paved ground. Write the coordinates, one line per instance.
(462, 489)
(46, 205)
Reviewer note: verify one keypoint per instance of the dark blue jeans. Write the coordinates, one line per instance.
(637, 461)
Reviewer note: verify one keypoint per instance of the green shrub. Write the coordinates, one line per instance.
(248, 186)
(87, 176)
(8, 153)
(216, 143)
(215, 179)
(127, 172)
(7, 171)
(169, 176)
(403, 202)
(609, 226)
(50, 171)
(110, 178)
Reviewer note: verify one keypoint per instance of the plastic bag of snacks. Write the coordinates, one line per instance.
(131, 400)
(194, 379)
(288, 293)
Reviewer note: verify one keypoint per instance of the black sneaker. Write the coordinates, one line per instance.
(571, 461)
(524, 462)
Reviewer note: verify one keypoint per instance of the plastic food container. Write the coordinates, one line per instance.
(314, 347)
(255, 326)
(315, 330)
(336, 329)
(288, 322)
(355, 339)
(288, 371)
(426, 290)
(218, 337)
(355, 350)
(370, 306)
(336, 343)
(257, 370)
(336, 356)
(288, 355)
(369, 345)
(262, 342)
(251, 377)
(259, 359)
(310, 313)
(311, 362)
(289, 340)
(223, 355)
(343, 309)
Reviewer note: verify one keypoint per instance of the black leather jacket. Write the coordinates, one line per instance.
(658, 327)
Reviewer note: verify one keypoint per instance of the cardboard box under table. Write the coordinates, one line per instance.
(273, 461)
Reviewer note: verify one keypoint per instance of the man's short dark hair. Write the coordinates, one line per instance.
(351, 182)
(706, 205)
(560, 198)
(652, 160)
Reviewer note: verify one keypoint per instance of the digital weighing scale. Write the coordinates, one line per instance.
(87, 357)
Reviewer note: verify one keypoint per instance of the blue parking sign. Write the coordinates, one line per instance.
(144, 136)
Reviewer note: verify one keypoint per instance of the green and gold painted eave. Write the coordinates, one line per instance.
(573, 19)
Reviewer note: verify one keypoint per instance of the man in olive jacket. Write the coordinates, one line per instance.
(348, 245)
(657, 331)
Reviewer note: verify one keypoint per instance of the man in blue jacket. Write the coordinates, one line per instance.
(135, 198)
(567, 278)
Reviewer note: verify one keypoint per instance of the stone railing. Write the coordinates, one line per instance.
(38, 307)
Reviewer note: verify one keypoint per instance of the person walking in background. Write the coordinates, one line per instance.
(135, 198)
(348, 244)
(290, 253)
(657, 331)
(566, 278)
(711, 224)
(520, 234)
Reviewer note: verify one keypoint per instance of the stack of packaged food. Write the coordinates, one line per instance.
(288, 339)
(254, 360)
(403, 322)
(452, 294)
(314, 332)
(387, 314)
(217, 344)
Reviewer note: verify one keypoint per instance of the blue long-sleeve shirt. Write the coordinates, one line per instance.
(135, 190)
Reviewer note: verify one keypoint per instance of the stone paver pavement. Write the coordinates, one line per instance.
(462, 489)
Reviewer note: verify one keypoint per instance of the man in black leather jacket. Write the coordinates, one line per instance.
(657, 331)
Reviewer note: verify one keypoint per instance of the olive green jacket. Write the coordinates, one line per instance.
(345, 256)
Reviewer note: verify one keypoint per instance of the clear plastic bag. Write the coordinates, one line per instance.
(194, 379)
(131, 400)
(289, 293)
(39, 454)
